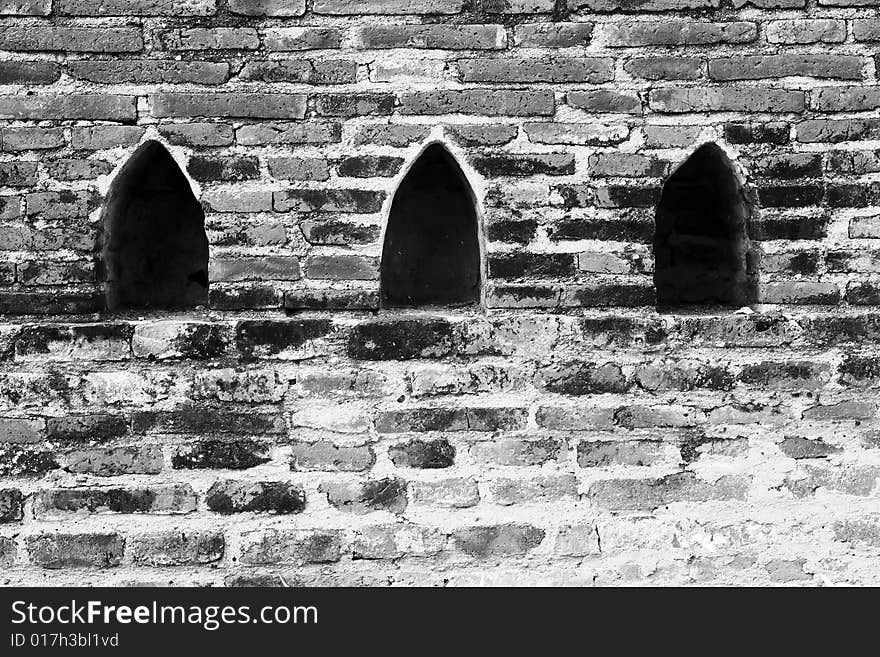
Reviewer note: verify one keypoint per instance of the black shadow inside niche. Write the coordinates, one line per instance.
(701, 244)
(431, 254)
(155, 248)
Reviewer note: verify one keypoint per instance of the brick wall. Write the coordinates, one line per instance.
(563, 432)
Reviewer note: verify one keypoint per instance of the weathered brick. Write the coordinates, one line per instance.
(243, 105)
(59, 550)
(649, 494)
(207, 38)
(445, 37)
(373, 495)
(291, 39)
(553, 35)
(45, 37)
(817, 30)
(498, 540)
(727, 99)
(96, 138)
(665, 68)
(297, 547)
(268, 7)
(575, 133)
(279, 338)
(329, 200)
(605, 101)
(556, 69)
(28, 72)
(478, 101)
(149, 71)
(178, 498)
(679, 33)
(301, 71)
(261, 134)
(519, 452)
(71, 106)
(424, 454)
(213, 454)
(354, 104)
(756, 67)
(230, 496)
(198, 134)
(352, 7)
(139, 8)
(176, 548)
(327, 456)
(523, 164)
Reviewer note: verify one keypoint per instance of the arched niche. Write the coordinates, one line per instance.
(154, 248)
(431, 252)
(702, 251)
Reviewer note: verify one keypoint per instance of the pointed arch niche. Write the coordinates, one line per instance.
(155, 248)
(431, 252)
(702, 251)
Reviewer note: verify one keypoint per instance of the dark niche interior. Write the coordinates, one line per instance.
(155, 248)
(701, 244)
(431, 254)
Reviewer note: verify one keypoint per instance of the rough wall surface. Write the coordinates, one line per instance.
(563, 433)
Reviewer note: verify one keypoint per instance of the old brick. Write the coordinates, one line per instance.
(94, 107)
(214, 454)
(46, 37)
(176, 548)
(585, 134)
(207, 38)
(402, 339)
(342, 267)
(680, 33)
(11, 501)
(348, 105)
(178, 498)
(665, 68)
(478, 101)
(649, 494)
(726, 99)
(329, 200)
(523, 164)
(445, 37)
(756, 67)
(582, 378)
(230, 496)
(822, 30)
(374, 495)
(114, 461)
(55, 551)
(425, 454)
(29, 72)
(556, 69)
(299, 168)
(327, 456)
(309, 132)
(519, 452)
(297, 547)
(498, 540)
(553, 35)
(605, 101)
(369, 166)
(149, 71)
(278, 338)
(243, 105)
(268, 7)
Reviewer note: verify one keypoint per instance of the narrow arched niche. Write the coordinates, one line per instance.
(701, 244)
(431, 254)
(155, 248)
